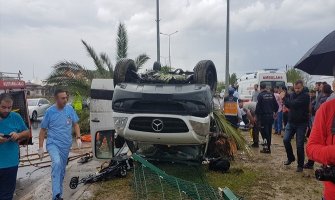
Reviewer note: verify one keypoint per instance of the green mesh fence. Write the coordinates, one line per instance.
(151, 182)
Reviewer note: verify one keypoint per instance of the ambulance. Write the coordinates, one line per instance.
(270, 77)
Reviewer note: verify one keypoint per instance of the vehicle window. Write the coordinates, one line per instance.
(32, 102)
(44, 101)
(272, 84)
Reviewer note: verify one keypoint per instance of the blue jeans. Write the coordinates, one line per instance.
(279, 122)
(7, 182)
(290, 130)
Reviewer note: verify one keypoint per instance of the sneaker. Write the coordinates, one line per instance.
(267, 151)
(308, 166)
(299, 169)
(58, 197)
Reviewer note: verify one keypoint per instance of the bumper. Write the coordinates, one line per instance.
(196, 133)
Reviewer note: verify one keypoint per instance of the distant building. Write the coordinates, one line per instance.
(34, 89)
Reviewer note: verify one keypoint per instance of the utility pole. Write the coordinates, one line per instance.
(227, 51)
(169, 35)
(158, 36)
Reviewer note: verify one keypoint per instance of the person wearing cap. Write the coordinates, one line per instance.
(231, 108)
(266, 110)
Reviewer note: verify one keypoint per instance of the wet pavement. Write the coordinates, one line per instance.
(34, 182)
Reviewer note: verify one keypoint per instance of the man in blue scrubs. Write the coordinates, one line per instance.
(12, 129)
(58, 122)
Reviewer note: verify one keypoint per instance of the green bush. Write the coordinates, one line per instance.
(84, 121)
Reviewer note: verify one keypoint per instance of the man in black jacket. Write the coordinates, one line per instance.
(298, 117)
(266, 109)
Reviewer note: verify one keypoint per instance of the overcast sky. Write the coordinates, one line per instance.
(264, 34)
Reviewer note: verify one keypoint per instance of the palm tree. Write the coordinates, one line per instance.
(293, 75)
(77, 78)
(122, 47)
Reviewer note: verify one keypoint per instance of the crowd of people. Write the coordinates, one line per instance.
(298, 113)
(301, 113)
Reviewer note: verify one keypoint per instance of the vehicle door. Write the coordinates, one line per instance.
(101, 118)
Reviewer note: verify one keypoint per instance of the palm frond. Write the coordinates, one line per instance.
(71, 65)
(232, 133)
(98, 64)
(74, 68)
(71, 75)
(105, 59)
(122, 42)
(141, 60)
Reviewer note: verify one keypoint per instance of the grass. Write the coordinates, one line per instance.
(239, 180)
(118, 188)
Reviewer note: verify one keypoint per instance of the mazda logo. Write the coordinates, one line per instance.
(157, 125)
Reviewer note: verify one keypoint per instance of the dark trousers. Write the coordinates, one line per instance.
(7, 182)
(266, 131)
(285, 118)
(233, 120)
(255, 133)
(290, 130)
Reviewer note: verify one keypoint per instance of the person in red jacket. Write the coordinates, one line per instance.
(321, 143)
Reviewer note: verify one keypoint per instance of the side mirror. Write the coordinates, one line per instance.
(39, 104)
(104, 144)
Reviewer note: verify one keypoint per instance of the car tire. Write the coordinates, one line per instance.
(125, 72)
(205, 73)
(34, 116)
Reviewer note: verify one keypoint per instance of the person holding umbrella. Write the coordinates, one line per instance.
(321, 143)
(320, 60)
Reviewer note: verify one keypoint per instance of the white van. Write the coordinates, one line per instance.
(101, 118)
(328, 79)
(270, 77)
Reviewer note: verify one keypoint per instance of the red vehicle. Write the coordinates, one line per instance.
(12, 83)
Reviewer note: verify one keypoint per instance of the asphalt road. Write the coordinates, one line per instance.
(34, 182)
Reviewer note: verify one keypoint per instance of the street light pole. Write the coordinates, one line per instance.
(169, 35)
(227, 51)
(170, 51)
(158, 36)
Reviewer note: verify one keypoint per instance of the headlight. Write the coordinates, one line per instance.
(199, 128)
(120, 123)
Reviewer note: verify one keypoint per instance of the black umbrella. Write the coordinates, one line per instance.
(320, 59)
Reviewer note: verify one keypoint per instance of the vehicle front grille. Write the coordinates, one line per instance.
(167, 107)
(170, 125)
